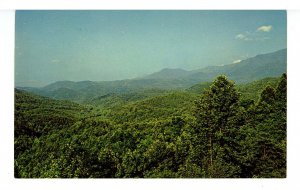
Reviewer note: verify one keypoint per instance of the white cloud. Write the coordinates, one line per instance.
(264, 28)
(246, 36)
(236, 61)
(240, 36)
(258, 35)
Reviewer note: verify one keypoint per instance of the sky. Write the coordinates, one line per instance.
(103, 45)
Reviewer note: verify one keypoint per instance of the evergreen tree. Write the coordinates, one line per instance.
(218, 116)
(264, 137)
(281, 90)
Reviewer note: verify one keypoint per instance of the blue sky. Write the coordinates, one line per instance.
(113, 45)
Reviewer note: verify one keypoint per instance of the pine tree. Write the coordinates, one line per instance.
(264, 141)
(281, 90)
(218, 114)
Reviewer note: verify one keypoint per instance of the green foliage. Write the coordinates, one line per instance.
(249, 91)
(219, 116)
(155, 134)
(253, 90)
(264, 136)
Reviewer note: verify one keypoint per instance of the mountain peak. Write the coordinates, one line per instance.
(168, 73)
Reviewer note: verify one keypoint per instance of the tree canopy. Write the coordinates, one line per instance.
(224, 131)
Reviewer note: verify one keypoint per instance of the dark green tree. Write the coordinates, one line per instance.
(219, 116)
(264, 137)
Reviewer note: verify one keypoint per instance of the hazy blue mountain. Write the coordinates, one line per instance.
(258, 67)
(255, 68)
(68, 84)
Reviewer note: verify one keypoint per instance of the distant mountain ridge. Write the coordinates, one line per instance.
(251, 69)
(254, 68)
(168, 73)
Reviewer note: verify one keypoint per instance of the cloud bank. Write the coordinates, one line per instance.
(265, 28)
(236, 61)
(257, 35)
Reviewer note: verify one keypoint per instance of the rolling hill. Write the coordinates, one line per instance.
(250, 90)
(251, 69)
(149, 134)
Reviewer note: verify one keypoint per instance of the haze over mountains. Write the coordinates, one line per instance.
(255, 68)
(258, 67)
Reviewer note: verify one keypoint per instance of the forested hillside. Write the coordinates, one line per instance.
(211, 130)
(248, 91)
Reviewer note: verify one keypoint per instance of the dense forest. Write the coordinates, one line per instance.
(215, 129)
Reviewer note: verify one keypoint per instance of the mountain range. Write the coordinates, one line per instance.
(251, 69)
